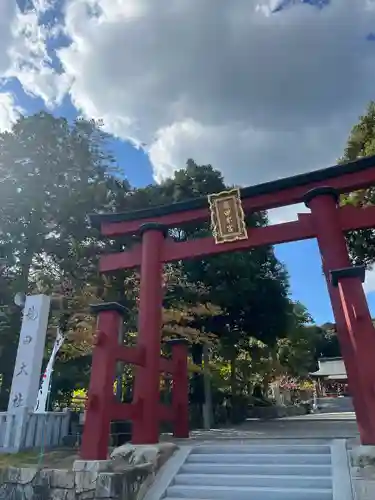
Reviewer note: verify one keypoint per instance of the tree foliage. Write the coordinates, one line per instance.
(361, 142)
(52, 175)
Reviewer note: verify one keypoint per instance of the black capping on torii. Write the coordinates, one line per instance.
(248, 192)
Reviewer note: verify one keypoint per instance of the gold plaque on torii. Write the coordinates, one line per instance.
(227, 216)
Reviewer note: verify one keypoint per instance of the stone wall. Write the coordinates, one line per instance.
(126, 477)
(47, 484)
(270, 412)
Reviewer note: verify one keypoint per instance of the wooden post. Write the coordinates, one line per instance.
(100, 397)
(147, 379)
(355, 331)
(180, 389)
(207, 405)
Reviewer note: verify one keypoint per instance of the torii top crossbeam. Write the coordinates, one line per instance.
(342, 178)
(287, 191)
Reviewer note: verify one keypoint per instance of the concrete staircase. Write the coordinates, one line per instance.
(255, 472)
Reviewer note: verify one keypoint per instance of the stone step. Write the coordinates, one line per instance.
(246, 493)
(309, 482)
(257, 469)
(264, 449)
(263, 458)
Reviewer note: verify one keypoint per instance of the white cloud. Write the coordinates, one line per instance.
(286, 214)
(9, 111)
(7, 14)
(24, 56)
(259, 97)
(31, 63)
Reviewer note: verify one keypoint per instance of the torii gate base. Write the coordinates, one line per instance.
(327, 223)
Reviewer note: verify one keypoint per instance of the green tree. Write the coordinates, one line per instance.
(297, 352)
(328, 345)
(52, 175)
(361, 142)
(9, 325)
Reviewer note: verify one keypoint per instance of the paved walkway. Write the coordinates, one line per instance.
(319, 426)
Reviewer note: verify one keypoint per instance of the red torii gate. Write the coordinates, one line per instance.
(319, 190)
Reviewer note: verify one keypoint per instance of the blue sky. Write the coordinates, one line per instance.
(307, 282)
(249, 86)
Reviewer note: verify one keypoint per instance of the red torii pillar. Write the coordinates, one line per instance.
(103, 371)
(354, 325)
(147, 379)
(180, 387)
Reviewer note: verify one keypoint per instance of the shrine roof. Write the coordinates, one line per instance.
(282, 184)
(331, 368)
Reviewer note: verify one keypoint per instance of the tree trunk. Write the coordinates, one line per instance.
(25, 271)
(198, 382)
(249, 388)
(207, 406)
(8, 356)
(233, 371)
(7, 367)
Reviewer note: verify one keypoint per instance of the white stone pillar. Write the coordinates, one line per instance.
(26, 376)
